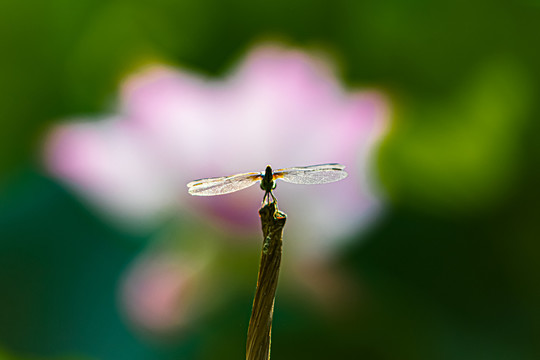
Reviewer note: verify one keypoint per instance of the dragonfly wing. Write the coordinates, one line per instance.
(316, 174)
(222, 185)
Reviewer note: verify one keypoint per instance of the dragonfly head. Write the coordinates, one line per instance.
(267, 183)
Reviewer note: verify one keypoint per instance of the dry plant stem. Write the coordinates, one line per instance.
(260, 324)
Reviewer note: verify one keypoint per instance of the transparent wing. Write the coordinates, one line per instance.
(315, 174)
(222, 185)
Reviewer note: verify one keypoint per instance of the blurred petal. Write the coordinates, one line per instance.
(160, 293)
(108, 163)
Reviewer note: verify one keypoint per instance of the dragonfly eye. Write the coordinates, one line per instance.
(268, 172)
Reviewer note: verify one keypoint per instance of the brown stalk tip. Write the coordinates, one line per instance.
(260, 324)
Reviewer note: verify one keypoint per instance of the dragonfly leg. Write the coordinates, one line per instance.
(273, 197)
(266, 198)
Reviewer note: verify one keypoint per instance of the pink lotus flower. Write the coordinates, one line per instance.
(280, 107)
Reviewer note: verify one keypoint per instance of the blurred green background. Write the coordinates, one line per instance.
(452, 267)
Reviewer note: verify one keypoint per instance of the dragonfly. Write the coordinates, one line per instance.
(314, 174)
